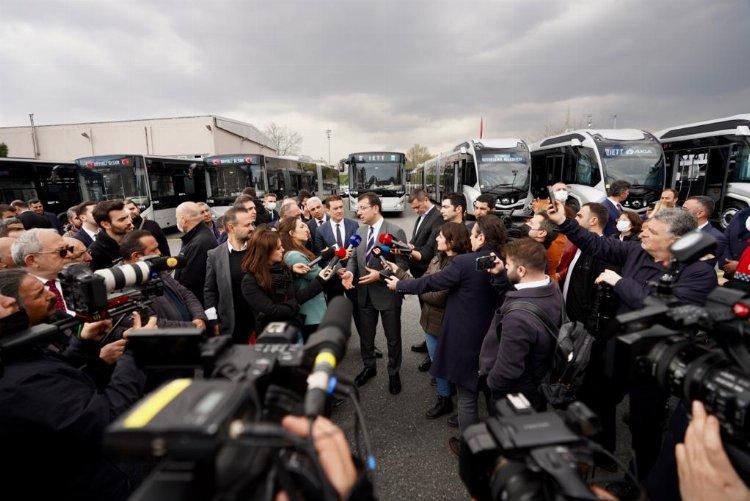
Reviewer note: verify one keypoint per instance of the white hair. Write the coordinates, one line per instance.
(26, 244)
(314, 199)
(187, 209)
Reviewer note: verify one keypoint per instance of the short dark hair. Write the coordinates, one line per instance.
(456, 200)
(457, 237)
(493, 230)
(332, 198)
(132, 243)
(527, 252)
(7, 208)
(551, 228)
(672, 191)
(81, 208)
(418, 194)
(303, 194)
(241, 199)
(488, 199)
(10, 283)
(230, 216)
(19, 204)
(270, 194)
(707, 203)
(618, 187)
(372, 199)
(600, 211)
(34, 201)
(250, 191)
(103, 208)
(636, 223)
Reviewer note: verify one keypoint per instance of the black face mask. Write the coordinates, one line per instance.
(13, 323)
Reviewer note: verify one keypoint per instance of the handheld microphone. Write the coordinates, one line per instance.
(391, 241)
(328, 345)
(354, 241)
(338, 256)
(380, 251)
(326, 254)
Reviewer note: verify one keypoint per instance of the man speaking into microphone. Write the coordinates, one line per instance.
(373, 296)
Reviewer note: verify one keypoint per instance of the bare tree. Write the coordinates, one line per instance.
(416, 155)
(3, 150)
(551, 129)
(286, 141)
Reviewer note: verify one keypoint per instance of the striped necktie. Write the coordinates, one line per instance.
(370, 243)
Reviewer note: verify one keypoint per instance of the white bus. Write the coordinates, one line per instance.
(711, 158)
(379, 172)
(499, 167)
(588, 161)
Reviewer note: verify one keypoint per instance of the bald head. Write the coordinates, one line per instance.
(6, 261)
(188, 216)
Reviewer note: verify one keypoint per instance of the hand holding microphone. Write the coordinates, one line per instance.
(328, 271)
(392, 242)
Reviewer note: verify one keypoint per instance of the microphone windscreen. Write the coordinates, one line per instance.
(355, 240)
(338, 315)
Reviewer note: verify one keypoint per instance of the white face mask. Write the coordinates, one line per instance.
(747, 224)
(561, 195)
(271, 205)
(623, 225)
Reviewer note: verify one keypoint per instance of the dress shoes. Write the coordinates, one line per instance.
(425, 365)
(443, 406)
(364, 376)
(454, 444)
(419, 347)
(394, 384)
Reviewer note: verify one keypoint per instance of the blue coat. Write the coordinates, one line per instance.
(472, 301)
(736, 236)
(614, 214)
(693, 283)
(721, 243)
(324, 238)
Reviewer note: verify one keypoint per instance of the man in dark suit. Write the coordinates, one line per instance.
(37, 206)
(372, 294)
(318, 218)
(89, 228)
(337, 230)
(736, 236)
(146, 224)
(28, 217)
(222, 292)
(618, 193)
(115, 223)
(701, 208)
(269, 204)
(196, 242)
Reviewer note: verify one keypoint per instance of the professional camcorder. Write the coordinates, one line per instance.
(219, 437)
(524, 454)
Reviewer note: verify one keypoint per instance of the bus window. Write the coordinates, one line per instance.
(469, 172)
(587, 168)
(741, 169)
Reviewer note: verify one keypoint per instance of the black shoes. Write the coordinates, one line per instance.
(425, 365)
(364, 376)
(443, 406)
(419, 347)
(453, 421)
(394, 384)
(378, 353)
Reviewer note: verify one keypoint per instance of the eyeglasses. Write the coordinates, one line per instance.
(62, 251)
(360, 209)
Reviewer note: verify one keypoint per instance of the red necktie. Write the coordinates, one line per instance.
(59, 303)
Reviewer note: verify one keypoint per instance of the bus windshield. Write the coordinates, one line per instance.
(229, 181)
(370, 176)
(741, 171)
(640, 163)
(116, 182)
(506, 169)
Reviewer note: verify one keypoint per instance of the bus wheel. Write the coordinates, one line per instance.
(729, 211)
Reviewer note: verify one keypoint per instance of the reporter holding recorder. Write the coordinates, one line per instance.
(268, 286)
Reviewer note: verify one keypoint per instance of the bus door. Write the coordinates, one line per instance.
(690, 173)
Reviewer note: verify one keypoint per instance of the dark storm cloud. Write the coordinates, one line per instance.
(381, 74)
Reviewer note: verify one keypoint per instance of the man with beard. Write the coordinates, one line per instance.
(115, 222)
(146, 224)
(516, 353)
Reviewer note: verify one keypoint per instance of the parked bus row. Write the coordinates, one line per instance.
(708, 158)
(159, 184)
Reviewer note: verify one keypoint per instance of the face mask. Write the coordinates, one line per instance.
(271, 205)
(623, 225)
(561, 195)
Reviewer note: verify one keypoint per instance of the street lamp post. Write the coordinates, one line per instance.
(328, 135)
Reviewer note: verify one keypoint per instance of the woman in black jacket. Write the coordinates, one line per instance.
(268, 286)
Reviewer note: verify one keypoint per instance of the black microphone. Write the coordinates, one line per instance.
(328, 344)
(326, 254)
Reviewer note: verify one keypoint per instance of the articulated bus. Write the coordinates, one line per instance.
(588, 161)
(711, 158)
(228, 175)
(56, 184)
(157, 184)
(379, 172)
(499, 167)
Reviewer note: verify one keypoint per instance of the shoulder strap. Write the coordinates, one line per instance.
(534, 310)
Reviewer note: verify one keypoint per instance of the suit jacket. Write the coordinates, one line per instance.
(54, 222)
(217, 291)
(380, 296)
(736, 236)
(721, 242)
(424, 241)
(313, 225)
(324, 236)
(614, 213)
(84, 237)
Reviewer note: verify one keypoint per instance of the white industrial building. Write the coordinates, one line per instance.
(178, 136)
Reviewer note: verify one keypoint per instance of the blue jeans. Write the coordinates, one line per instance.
(443, 386)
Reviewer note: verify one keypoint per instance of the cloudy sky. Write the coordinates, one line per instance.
(380, 74)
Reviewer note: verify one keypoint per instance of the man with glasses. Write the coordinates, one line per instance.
(43, 253)
(373, 295)
(79, 254)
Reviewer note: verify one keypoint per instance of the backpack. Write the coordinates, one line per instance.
(571, 355)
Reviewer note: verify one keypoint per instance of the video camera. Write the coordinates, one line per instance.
(693, 352)
(220, 437)
(524, 454)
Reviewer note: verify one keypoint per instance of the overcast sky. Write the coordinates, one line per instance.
(380, 74)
